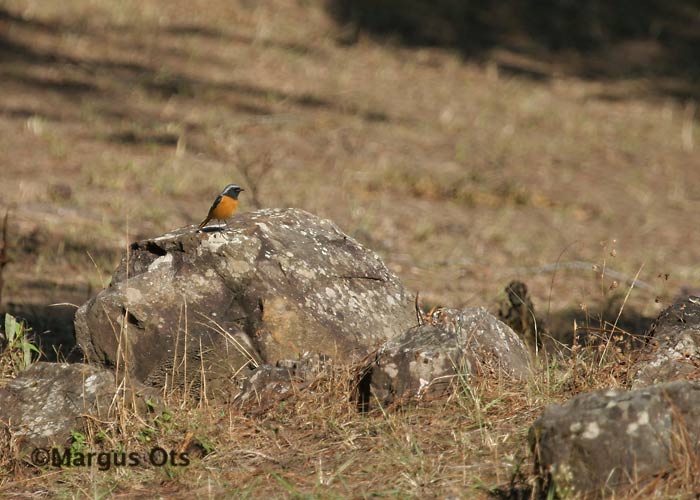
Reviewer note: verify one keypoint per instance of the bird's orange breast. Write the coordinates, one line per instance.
(225, 209)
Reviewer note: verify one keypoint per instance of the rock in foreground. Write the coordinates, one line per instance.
(42, 405)
(601, 441)
(273, 285)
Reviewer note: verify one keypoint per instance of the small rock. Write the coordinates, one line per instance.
(45, 402)
(267, 385)
(673, 346)
(428, 359)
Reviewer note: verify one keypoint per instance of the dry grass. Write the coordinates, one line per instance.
(315, 444)
(121, 120)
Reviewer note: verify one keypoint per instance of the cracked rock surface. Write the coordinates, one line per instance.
(274, 284)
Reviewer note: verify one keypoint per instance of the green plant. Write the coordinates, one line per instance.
(162, 423)
(78, 441)
(18, 352)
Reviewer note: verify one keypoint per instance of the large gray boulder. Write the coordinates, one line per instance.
(42, 405)
(673, 348)
(601, 441)
(427, 360)
(272, 285)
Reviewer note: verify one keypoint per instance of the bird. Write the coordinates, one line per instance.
(224, 205)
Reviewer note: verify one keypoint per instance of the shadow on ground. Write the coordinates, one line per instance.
(594, 327)
(29, 64)
(593, 40)
(51, 327)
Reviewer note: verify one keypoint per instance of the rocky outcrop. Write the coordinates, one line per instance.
(427, 360)
(272, 285)
(673, 348)
(42, 405)
(601, 441)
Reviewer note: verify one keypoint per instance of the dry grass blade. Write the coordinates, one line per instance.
(619, 314)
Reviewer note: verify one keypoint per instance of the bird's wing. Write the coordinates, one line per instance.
(211, 211)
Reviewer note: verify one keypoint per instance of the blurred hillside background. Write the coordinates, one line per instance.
(594, 39)
(468, 143)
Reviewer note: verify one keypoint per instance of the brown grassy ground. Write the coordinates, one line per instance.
(122, 120)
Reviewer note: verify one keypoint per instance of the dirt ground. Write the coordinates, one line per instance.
(123, 120)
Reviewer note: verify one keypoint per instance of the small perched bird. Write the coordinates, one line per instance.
(224, 206)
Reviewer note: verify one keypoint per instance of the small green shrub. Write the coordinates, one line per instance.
(18, 352)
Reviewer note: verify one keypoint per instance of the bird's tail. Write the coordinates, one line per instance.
(203, 223)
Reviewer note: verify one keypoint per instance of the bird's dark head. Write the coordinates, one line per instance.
(232, 190)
